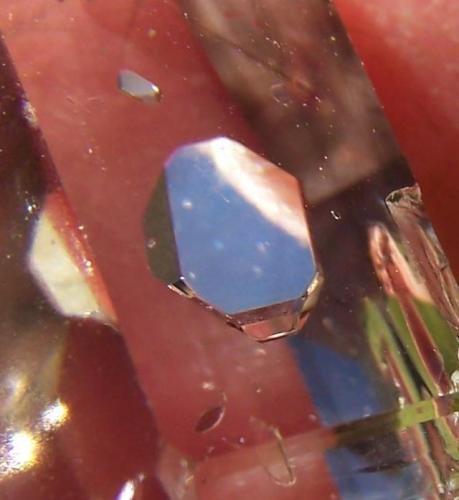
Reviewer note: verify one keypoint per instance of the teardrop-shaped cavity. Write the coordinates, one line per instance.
(210, 419)
(134, 85)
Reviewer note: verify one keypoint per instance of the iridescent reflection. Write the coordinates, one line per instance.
(413, 334)
(21, 447)
(240, 234)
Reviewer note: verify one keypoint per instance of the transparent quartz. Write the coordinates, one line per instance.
(112, 386)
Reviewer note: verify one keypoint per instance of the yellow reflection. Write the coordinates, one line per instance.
(54, 416)
(19, 453)
(62, 266)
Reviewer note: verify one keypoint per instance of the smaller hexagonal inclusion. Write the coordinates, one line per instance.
(229, 228)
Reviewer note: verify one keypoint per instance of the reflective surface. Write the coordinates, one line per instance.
(240, 239)
(360, 403)
(137, 86)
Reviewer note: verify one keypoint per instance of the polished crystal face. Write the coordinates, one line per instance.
(229, 228)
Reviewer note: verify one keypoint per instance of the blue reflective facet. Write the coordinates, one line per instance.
(231, 254)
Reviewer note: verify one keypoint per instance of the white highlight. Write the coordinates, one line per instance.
(272, 191)
(64, 282)
(54, 416)
(127, 492)
(19, 453)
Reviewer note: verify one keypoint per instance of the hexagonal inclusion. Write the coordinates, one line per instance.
(228, 228)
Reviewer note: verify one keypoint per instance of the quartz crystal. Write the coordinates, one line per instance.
(62, 358)
(233, 151)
